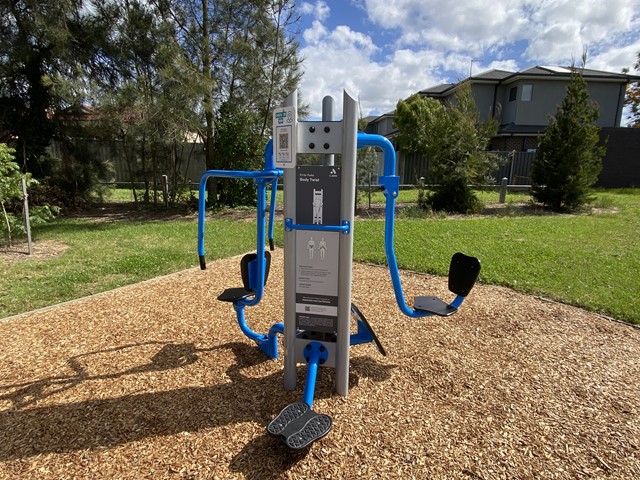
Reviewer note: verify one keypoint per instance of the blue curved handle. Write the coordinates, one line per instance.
(391, 185)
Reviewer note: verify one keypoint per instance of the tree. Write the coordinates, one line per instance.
(48, 47)
(633, 98)
(246, 52)
(454, 142)
(152, 107)
(568, 159)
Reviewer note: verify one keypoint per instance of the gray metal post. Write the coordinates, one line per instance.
(347, 201)
(27, 220)
(503, 190)
(289, 185)
(328, 115)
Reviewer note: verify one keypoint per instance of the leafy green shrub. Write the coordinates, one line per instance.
(454, 142)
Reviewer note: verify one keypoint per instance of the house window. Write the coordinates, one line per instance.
(513, 93)
(527, 92)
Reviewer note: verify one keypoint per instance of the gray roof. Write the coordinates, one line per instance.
(513, 129)
(586, 72)
(492, 75)
(443, 87)
(499, 76)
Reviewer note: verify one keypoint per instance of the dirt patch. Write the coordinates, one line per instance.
(41, 250)
(124, 211)
(155, 380)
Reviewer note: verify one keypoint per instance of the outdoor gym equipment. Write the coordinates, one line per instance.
(318, 254)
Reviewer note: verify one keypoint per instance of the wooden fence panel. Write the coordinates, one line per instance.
(188, 161)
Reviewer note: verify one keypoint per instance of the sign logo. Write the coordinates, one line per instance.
(281, 116)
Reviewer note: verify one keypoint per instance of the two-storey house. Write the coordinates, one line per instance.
(522, 102)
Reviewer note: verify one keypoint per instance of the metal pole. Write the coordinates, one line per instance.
(347, 200)
(27, 221)
(328, 115)
(165, 190)
(289, 185)
(503, 190)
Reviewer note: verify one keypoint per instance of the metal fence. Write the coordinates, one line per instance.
(516, 168)
(188, 162)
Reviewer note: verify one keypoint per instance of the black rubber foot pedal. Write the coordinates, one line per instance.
(299, 426)
(433, 305)
(286, 416)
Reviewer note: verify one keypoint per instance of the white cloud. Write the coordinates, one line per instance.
(315, 34)
(556, 30)
(615, 59)
(468, 26)
(319, 10)
(427, 42)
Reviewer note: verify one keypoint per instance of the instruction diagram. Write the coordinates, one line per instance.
(317, 253)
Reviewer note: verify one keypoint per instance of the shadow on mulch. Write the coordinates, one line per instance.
(116, 421)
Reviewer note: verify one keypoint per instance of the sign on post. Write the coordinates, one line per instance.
(284, 137)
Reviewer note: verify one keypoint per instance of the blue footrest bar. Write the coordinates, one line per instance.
(299, 426)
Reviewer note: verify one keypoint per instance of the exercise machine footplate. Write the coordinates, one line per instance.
(299, 426)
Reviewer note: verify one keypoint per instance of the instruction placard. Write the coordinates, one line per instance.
(317, 252)
(284, 137)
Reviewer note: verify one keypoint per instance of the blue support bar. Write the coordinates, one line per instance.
(268, 343)
(272, 211)
(315, 353)
(202, 191)
(345, 228)
(256, 337)
(268, 156)
(368, 140)
(272, 345)
(363, 335)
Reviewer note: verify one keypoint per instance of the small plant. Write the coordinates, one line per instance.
(11, 196)
(604, 202)
(454, 141)
(10, 188)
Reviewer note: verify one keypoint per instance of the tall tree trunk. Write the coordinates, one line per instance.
(212, 189)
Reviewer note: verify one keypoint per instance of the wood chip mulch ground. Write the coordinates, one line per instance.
(156, 381)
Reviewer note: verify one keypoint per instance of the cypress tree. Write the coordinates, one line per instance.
(568, 158)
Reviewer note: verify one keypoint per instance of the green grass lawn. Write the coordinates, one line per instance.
(590, 260)
(106, 255)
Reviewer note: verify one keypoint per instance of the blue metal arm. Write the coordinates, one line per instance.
(270, 165)
(272, 211)
(273, 174)
(262, 177)
(391, 184)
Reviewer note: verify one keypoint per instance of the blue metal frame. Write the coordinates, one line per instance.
(268, 343)
(315, 352)
(345, 228)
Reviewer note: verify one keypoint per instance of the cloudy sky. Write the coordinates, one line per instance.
(384, 50)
